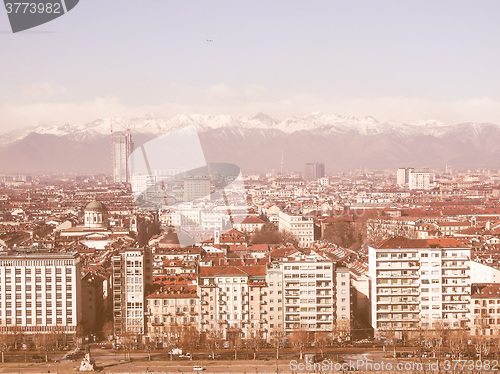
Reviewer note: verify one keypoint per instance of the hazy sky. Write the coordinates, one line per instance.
(395, 60)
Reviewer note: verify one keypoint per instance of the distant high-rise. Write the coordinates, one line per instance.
(404, 176)
(314, 171)
(122, 147)
(197, 188)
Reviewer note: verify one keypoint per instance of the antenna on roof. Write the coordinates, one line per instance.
(282, 163)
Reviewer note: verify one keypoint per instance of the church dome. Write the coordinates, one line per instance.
(96, 206)
(96, 215)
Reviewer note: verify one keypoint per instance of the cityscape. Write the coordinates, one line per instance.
(288, 187)
(401, 261)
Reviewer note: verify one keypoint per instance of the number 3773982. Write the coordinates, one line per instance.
(52, 8)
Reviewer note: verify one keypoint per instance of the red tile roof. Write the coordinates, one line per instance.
(402, 242)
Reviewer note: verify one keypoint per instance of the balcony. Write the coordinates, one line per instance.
(455, 275)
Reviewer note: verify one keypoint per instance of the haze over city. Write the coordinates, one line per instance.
(395, 61)
(278, 187)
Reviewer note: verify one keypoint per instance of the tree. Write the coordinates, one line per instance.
(107, 329)
(128, 340)
(5, 343)
(45, 342)
(236, 341)
(190, 338)
(256, 341)
(278, 338)
(341, 233)
(268, 234)
(321, 341)
(342, 331)
(458, 342)
(300, 340)
(214, 339)
(150, 344)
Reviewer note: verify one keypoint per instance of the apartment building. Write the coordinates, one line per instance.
(301, 227)
(171, 309)
(40, 292)
(132, 274)
(308, 292)
(485, 310)
(418, 282)
(234, 300)
(419, 181)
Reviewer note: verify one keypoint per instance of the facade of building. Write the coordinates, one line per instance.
(418, 283)
(171, 310)
(485, 310)
(197, 188)
(132, 274)
(301, 227)
(234, 300)
(308, 295)
(92, 304)
(40, 293)
(314, 171)
(122, 147)
(403, 176)
(96, 215)
(419, 181)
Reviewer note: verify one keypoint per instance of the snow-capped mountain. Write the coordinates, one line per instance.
(256, 143)
(315, 122)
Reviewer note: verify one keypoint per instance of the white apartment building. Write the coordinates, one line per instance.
(403, 176)
(40, 292)
(419, 181)
(197, 188)
(299, 226)
(418, 282)
(308, 293)
(274, 278)
(132, 272)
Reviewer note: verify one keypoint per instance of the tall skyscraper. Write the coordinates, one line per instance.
(314, 171)
(122, 147)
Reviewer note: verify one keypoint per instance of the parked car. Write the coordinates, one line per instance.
(187, 355)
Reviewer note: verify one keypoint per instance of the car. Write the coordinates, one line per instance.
(198, 368)
(187, 355)
(213, 356)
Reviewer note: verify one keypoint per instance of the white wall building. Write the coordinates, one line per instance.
(299, 226)
(418, 282)
(132, 272)
(419, 181)
(40, 292)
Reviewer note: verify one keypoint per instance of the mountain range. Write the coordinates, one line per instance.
(257, 143)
